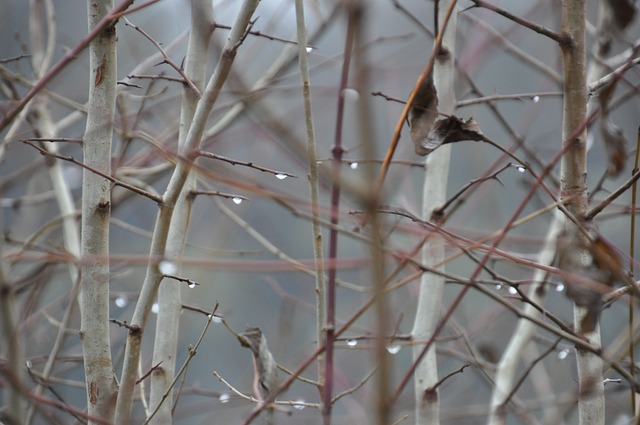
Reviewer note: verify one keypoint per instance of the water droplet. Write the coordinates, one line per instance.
(521, 168)
(350, 95)
(121, 302)
(536, 99)
(281, 176)
(299, 404)
(236, 200)
(167, 267)
(353, 165)
(309, 49)
(562, 354)
(513, 290)
(224, 398)
(192, 285)
(217, 319)
(498, 286)
(393, 349)
(29, 364)
(560, 287)
(352, 343)
(155, 308)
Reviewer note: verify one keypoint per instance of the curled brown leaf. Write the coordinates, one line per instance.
(422, 114)
(450, 130)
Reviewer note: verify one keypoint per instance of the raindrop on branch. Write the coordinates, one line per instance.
(224, 398)
(521, 168)
(236, 200)
(192, 285)
(353, 165)
(350, 95)
(299, 406)
(563, 354)
(155, 308)
(309, 49)
(352, 343)
(535, 99)
(281, 176)
(560, 287)
(393, 349)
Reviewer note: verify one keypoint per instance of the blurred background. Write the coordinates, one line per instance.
(252, 286)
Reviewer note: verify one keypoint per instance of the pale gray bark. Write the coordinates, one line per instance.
(507, 367)
(169, 293)
(96, 212)
(427, 408)
(187, 152)
(316, 230)
(573, 174)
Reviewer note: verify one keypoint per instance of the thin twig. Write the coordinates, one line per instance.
(113, 180)
(530, 368)
(191, 354)
(149, 372)
(189, 282)
(167, 59)
(232, 196)
(250, 164)
(613, 196)
(267, 36)
(53, 139)
(449, 375)
(68, 58)
(560, 39)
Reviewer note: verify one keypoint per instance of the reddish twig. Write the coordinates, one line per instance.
(405, 112)
(109, 20)
(456, 302)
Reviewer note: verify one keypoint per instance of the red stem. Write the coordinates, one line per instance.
(109, 19)
(337, 152)
(566, 145)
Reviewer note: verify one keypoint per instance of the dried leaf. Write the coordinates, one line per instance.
(593, 267)
(451, 130)
(606, 258)
(614, 145)
(265, 368)
(623, 12)
(422, 114)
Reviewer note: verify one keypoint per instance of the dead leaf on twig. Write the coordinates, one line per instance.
(614, 142)
(422, 114)
(450, 130)
(265, 367)
(593, 268)
(622, 11)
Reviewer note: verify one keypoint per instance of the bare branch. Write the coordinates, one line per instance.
(167, 59)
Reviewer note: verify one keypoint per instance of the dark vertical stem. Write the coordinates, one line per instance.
(337, 151)
(370, 197)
